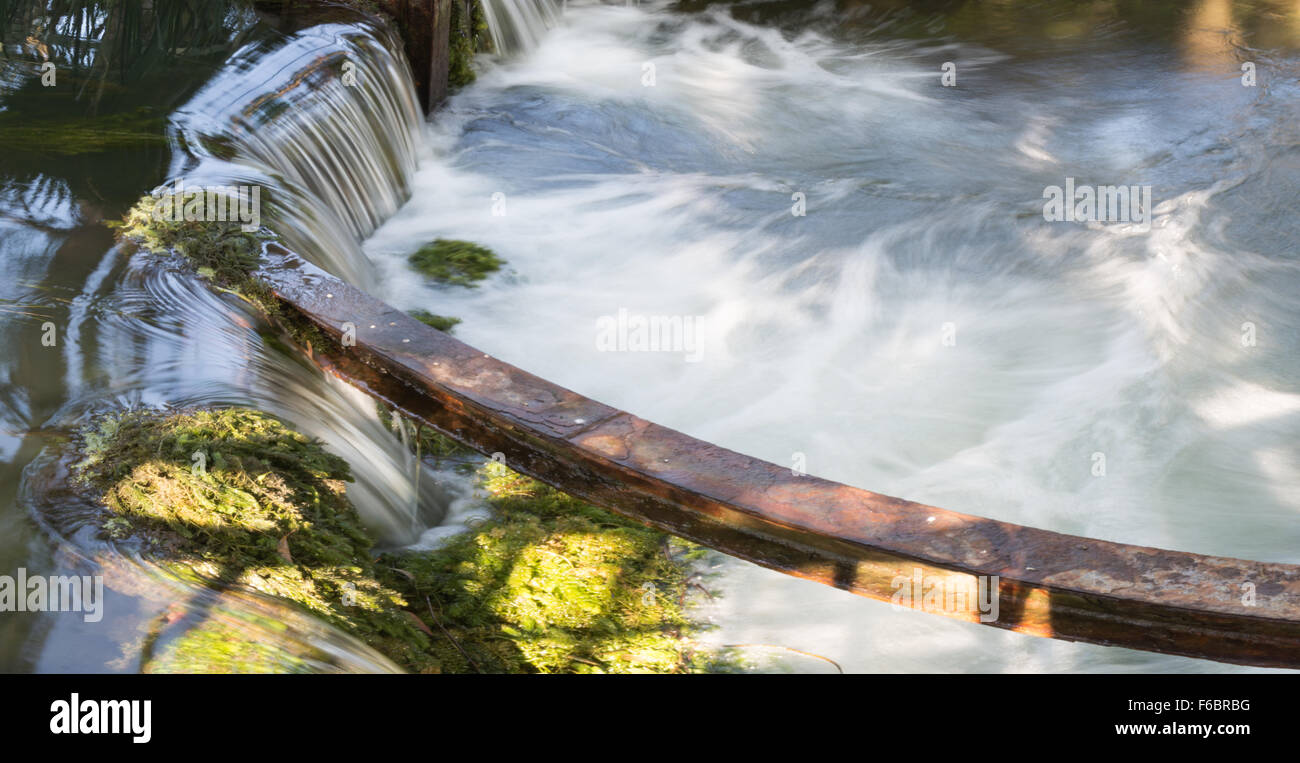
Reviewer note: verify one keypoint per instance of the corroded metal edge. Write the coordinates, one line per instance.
(1051, 584)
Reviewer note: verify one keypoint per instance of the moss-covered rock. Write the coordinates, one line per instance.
(221, 251)
(469, 35)
(459, 263)
(216, 645)
(554, 585)
(441, 322)
(235, 497)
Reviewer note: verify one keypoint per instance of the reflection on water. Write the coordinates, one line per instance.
(1095, 378)
(61, 174)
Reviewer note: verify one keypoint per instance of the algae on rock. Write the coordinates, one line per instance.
(547, 584)
(443, 323)
(551, 584)
(469, 35)
(458, 263)
(222, 252)
(235, 497)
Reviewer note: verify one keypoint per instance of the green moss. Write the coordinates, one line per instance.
(221, 250)
(234, 496)
(469, 35)
(455, 262)
(553, 585)
(223, 253)
(440, 322)
(217, 646)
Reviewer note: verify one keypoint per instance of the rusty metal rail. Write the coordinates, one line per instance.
(1053, 585)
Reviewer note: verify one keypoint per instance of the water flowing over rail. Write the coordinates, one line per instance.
(335, 136)
(1052, 585)
(333, 156)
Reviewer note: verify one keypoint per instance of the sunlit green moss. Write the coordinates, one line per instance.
(215, 646)
(551, 584)
(548, 584)
(454, 262)
(236, 497)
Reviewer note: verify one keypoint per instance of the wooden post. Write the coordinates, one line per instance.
(439, 53)
(425, 26)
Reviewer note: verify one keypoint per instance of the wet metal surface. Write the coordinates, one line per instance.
(1049, 584)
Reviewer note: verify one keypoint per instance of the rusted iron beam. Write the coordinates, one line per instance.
(1050, 584)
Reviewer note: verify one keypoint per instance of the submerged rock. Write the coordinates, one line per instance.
(443, 323)
(458, 263)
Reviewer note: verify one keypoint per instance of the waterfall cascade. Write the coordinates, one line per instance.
(518, 25)
(328, 122)
(820, 336)
(328, 125)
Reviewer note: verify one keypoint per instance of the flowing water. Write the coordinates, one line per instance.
(920, 330)
(518, 25)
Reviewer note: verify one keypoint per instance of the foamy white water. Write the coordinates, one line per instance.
(649, 161)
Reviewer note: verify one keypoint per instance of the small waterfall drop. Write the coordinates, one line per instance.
(518, 25)
(328, 122)
(821, 333)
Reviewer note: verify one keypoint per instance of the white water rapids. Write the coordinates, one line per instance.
(921, 331)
